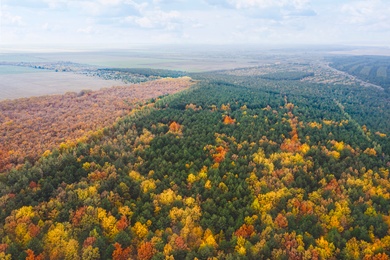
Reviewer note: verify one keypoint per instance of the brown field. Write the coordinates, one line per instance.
(30, 126)
(48, 83)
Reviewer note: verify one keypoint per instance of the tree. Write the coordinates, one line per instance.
(281, 221)
(227, 120)
(120, 253)
(146, 251)
(32, 256)
(175, 128)
(90, 253)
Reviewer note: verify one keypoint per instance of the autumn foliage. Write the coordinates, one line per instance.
(175, 128)
(120, 253)
(173, 181)
(227, 120)
(146, 251)
(30, 126)
(245, 231)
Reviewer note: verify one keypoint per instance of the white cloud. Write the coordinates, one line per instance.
(56, 3)
(207, 21)
(358, 12)
(157, 19)
(45, 26)
(110, 2)
(367, 15)
(268, 9)
(87, 30)
(260, 4)
(9, 19)
(106, 7)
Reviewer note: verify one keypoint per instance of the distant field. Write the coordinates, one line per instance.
(189, 61)
(7, 70)
(26, 82)
(184, 64)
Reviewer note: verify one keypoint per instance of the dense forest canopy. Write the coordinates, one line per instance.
(235, 167)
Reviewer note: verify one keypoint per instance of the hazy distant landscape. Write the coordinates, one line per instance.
(16, 68)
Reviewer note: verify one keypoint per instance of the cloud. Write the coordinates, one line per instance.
(24, 3)
(207, 21)
(219, 3)
(245, 4)
(9, 19)
(87, 30)
(367, 15)
(168, 1)
(268, 9)
(359, 12)
(115, 8)
(259, 4)
(88, 7)
(156, 19)
(302, 12)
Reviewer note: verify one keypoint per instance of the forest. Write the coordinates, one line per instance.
(287, 75)
(147, 72)
(374, 69)
(233, 167)
(30, 127)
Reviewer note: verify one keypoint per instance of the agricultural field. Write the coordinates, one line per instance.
(11, 70)
(19, 82)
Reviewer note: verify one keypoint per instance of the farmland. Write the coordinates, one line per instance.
(18, 82)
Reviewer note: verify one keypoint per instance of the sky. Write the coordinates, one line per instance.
(123, 23)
